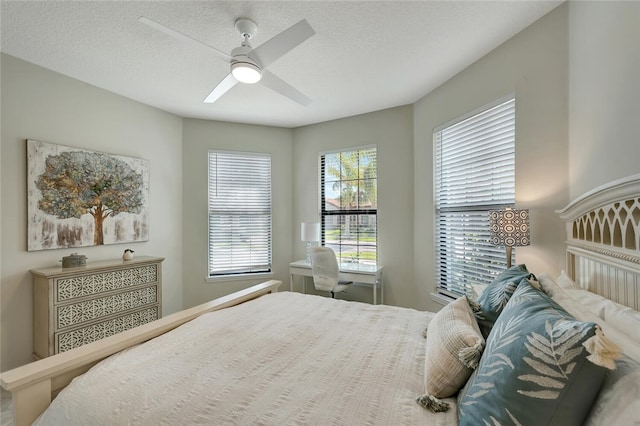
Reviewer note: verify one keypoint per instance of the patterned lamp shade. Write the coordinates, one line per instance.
(509, 227)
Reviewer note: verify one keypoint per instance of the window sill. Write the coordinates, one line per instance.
(239, 277)
(440, 299)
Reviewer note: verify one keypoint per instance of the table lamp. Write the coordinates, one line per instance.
(509, 228)
(310, 233)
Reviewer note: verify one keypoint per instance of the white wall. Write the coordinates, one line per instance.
(42, 105)
(198, 137)
(532, 65)
(604, 93)
(391, 131)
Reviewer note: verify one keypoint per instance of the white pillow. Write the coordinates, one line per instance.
(549, 286)
(587, 306)
(583, 300)
(621, 317)
(564, 281)
(619, 323)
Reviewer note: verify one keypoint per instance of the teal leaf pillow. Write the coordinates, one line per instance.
(495, 297)
(536, 367)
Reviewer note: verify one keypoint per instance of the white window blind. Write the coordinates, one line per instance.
(474, 173)
(349, 204)
(239, 213)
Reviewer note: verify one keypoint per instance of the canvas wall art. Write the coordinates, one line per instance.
(79, 198)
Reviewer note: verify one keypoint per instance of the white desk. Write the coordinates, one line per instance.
(360, 274)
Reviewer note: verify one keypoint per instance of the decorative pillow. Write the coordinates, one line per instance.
(495, 297)
(619, 400)
(453, 348)
(538, 366)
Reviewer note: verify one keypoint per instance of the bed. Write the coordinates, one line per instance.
(260, 356)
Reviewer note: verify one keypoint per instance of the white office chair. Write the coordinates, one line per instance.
(324, 267)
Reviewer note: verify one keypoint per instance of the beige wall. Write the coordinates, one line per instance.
(604, 93)
(198, 137)
(42, 105)
(391, 131)
(533, 66)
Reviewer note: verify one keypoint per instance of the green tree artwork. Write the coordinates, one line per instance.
(77, 183)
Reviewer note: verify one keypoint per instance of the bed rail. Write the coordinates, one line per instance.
(34, 385)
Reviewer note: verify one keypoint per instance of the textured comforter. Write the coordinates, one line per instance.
(285, 358)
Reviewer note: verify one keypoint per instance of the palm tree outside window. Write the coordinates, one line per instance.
(349, 203)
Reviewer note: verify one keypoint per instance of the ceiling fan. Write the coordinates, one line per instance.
(248, 65)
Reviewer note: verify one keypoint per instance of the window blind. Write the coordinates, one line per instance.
(349, 200)
(239, 213)
(474, 173)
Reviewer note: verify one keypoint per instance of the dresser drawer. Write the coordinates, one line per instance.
(100, 307)
(78, 305)
(67, 340)
(66, 289)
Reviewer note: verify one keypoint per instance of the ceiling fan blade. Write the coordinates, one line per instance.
(153, 24)
(280, 44)
(278, 85)
(223, 87)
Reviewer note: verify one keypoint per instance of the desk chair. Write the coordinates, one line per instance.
(324, 267)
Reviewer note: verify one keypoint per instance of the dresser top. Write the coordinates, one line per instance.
(57, 271)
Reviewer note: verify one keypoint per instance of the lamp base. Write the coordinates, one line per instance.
(309, 245)
(509, 251)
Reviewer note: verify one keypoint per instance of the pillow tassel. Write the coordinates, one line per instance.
(536, 284)
(474, 305)
(603, 351)
(470, 356)
(432, 403)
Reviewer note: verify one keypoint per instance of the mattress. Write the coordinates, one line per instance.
(284, 358)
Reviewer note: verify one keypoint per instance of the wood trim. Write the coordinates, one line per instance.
(34, 385)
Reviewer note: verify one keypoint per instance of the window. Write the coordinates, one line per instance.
(239, 213)
(349, 201)
(474, 172)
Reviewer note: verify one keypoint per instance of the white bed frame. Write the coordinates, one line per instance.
(603, 256)
(603, 240)
(34, 385)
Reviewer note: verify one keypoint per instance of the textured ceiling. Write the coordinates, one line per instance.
(365, 56)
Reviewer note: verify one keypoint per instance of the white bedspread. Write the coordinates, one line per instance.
(285, 358)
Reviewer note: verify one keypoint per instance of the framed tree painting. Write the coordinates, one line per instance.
(79, 198)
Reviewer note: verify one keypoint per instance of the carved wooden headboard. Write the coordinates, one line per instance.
(603, 240)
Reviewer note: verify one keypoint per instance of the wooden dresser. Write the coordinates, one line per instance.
(76, 306)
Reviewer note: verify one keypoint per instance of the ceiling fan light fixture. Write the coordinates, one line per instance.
(246, 72)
